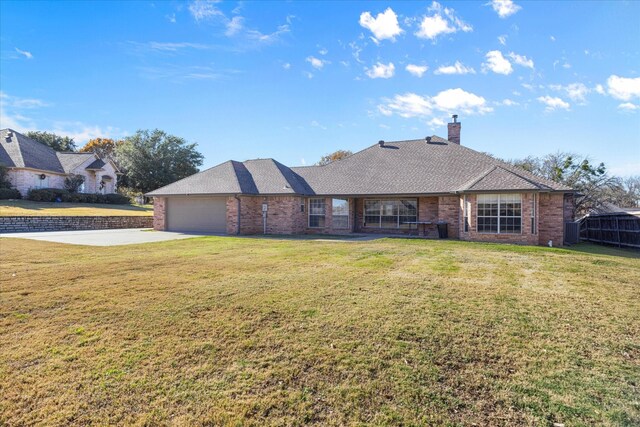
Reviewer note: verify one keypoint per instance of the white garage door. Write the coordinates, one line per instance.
(197, 213)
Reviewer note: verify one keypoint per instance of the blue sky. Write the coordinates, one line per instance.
(297, 80)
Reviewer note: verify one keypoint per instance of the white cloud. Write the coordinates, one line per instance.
(436, 123)
(24, 53)
(508, 102)
(81, 132)
(623, 88)
(628, 106)
(171, 18)
(497, 63)
(286, 66)
(442, 20)
(381, 71)
(503, 39)
(323, 51)
(204, 9)
(553, 103)
(521, 60)
(417, 70)
(234, 26)
(552, 38)
(268, 38)
(449, 101)
(384, 26)
(599, 89)
(457, 68)
(308, 74)
(576, 91)
(317, 63)
(504, 8)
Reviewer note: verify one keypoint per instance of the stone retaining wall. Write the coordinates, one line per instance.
(17, 224)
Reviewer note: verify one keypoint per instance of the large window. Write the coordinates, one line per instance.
(316, 213)
(390, 213)
(340, 213)
(499, 213)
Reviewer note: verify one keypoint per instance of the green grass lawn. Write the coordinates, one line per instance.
(29, 208)
(236, 331)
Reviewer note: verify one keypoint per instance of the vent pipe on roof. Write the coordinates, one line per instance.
(454, 130)
(381, 143)
(428, 139)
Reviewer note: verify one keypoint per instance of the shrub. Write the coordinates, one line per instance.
(9, 193)
(4, 177)
(134, 196)
(46, 194)
(117, 199)
(73, 183)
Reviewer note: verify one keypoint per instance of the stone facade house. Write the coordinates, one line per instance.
(31, 164)
(400, 187)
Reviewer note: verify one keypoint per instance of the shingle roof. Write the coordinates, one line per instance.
(260, 176)
(19, 151)
(97, 164)
(71, 161)
(396, 168)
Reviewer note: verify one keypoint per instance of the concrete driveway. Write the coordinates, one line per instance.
(128, 236)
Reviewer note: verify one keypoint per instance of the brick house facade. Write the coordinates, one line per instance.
(400, 188)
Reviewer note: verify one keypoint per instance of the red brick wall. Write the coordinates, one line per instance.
(551, 221)
(159, 213)
(449, 211)
(526, 237)
(283, 215)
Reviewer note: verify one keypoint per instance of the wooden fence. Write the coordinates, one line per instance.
(619, 229)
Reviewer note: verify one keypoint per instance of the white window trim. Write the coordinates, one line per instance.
(309, 215)
(499, 201)
(534, 213)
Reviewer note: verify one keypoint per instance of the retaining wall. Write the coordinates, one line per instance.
(18, 224)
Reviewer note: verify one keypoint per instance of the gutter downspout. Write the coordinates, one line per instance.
(238, 222)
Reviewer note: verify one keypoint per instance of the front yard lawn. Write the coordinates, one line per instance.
(219, 331)
(29, 208)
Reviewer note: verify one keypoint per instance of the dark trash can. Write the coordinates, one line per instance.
(443, 230)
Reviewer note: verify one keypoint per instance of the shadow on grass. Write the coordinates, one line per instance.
(592, 248)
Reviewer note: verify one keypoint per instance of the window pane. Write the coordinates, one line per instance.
(340, 207)
(316, 221)
(340, 221)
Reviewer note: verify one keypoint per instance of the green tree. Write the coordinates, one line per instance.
(4, 177)
(592, 182)
(57, 142)
(332, 157)
(152, 159)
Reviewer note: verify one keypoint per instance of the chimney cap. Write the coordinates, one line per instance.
(381, 143)
(455, 118)
(428, 139)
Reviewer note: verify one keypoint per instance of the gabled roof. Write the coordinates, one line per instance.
(397, 168)
(499, 178)
(16, 150)
(71, 161)
(260, 176)
(96, 165)
(20, 151)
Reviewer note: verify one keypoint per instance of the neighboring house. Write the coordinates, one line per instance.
(396, 187)
(34, 165)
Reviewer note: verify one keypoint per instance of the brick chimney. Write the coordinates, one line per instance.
(454, 130)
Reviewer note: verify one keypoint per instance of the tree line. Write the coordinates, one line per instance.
(148, 160)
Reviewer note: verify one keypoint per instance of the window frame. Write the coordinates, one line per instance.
(334, 215)
(465, 216)
(382, 203)
(499, 208)
(534, 216)
(323, 215)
